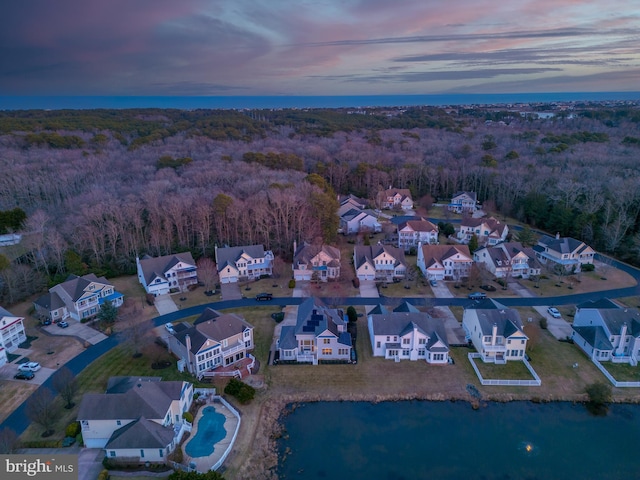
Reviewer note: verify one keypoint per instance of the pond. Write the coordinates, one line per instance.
(450, 440)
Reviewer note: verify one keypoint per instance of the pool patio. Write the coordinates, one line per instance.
(231, 424)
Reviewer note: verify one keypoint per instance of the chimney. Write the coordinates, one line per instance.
(494, 334)
(215, 247)
(187, 343)
(623, 334)
(557, 235)
(295, 247)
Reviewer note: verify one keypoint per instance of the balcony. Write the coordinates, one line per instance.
(238, 347)
(494, 348)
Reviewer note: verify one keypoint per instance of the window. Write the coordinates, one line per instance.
(422, 341)
(421, 352)
(327, 351)
(377, 344)
(161, 452)
(326, 341)
(141, 453)
(112, 453)
(406, 341)
(521, 342)
(388, 338)
(405, 352)
(118, 422)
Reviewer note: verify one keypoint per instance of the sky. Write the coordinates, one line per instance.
(317, 47)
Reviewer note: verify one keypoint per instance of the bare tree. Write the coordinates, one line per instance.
(207, 273)
(40, 409)
(8, 441)
(134, 332)
(65, 384)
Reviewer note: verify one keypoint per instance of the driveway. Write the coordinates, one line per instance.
(301, 289)
(8, 370)
(165, 304)
(230, 291)
(558, 327)
(368, 289)
(441, 290)
(76, 329)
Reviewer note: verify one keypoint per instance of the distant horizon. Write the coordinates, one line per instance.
(235, 102)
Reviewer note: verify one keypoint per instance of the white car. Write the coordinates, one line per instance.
(29, 367)
(169, 327)
(553, 311)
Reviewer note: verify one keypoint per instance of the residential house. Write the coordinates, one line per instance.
(10, 239)
(357, 221)
(488, 231)
(249, 262)
(379, 262)
(79, 298)
(315, 262)
(444, 262)
(408, 334)
(350, 202)
(607, 332)
(413, 232)
(495, 331)
(12, 333)
(320, 334)
(508, 260)
(161, 275)
(214, 340)
(396, 198)
(564, 252)
(137, 418)
(464, 202)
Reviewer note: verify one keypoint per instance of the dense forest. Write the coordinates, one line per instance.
(94, 189)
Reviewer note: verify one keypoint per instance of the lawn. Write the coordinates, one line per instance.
(579, 283)
(513, 370)
(622, 372)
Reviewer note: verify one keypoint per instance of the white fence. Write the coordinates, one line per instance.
(613, 380)
(521, 383)
(235, 434)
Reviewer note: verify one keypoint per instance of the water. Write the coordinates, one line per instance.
(210, 431)
(449, 440)
(269, 102)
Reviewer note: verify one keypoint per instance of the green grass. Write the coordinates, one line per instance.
(622, 372)
(513, 370)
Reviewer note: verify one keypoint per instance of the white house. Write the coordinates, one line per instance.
(444, 262)
(509, 259)
(408, 335)
(248, 262)
(138, 417)
(411, 233)
(350, 202)
(214, 340)
(79, 298)
(356, 221)
(488, 231)
(495, 331)
(379, 262)
(12, 333)
(395, 197)
(607, 332)
(464, 202)
(315, 262)
(160, 275)
(320, 334)
(564, 252)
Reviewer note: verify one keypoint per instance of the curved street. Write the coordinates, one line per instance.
(18, 421)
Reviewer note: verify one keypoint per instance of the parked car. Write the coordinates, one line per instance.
(46, 321)
(553, 311)
(63, 324)
(477, 296)
(264, 296)
(433, 282)
(29, 367)
(28, 375)
(169, 328)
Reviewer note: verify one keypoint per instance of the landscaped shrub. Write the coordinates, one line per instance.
(104, 475)
(243, 392)
(356, 282)
(587, 267)
(72, 429)
(292, 283)
(178, 456)
(188, 417)
(544, 323)
(233, 387)
(79, 440)
(352, 314)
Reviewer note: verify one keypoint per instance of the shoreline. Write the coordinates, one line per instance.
(260, 460)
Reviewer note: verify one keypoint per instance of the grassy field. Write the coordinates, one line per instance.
(513, 370)
(622, 372)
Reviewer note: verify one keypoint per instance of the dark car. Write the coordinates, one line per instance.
(477, 296)
(46, 321)
(63, 324)
(264, 296)
(24, 375)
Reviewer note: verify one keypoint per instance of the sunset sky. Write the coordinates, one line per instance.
(317, 47)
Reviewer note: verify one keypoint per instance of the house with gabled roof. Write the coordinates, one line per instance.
(413, 232)
(379, 262)
(315, 262)
(79, 298)
(564, 252)
(395, 197)
(12, 333)
(320, 334)
(357, 221)
(137, 417)
(248, 262)
(407, 334)
(350, 202)
(496, 331)
(464, 202)
(214, 340)
(444, 262)
(161, 275)
(607, 332)
(509, 259)
(489, 231)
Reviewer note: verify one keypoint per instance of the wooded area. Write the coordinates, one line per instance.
(100, 187)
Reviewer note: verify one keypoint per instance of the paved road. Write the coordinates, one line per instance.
(18, 420)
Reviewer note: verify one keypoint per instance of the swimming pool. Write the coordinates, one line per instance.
(210, 431)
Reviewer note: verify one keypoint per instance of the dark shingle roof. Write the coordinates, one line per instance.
(211, 325)
(229, 255)
(562, 244)
(400, 323)
(406, 307)
(50, 301)
(141, 433)
(507, 321)
(157, 266)
(595, 336)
